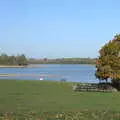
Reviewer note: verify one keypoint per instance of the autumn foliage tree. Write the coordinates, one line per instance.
(108, 63)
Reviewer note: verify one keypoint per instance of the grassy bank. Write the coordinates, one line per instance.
(53, 100)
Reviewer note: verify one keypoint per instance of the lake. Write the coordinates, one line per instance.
(57, 72)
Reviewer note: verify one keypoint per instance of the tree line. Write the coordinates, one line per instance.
(13, 60)
(63, 61)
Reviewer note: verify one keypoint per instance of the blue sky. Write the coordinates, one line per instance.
(57, 28)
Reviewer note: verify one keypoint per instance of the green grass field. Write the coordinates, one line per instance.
(46, 100)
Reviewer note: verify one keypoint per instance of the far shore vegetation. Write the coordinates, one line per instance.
(63, 61)
(22, 60)
(9, 61)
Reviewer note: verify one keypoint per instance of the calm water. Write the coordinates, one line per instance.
(70, 72)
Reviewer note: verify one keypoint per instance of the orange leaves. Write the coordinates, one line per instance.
(108, 64)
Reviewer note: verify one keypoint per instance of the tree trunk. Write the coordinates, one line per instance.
(116, 84)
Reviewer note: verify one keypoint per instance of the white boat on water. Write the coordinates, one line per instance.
(41, 78)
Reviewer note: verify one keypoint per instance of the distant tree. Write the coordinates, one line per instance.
(13, 60)
(21, 60)
(3, 58)
(108, 63)
(45, 59)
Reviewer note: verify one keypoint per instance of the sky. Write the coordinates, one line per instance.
(57, 28)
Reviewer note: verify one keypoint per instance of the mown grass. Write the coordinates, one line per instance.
(47, 100)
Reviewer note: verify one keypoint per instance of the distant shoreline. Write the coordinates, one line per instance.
(12, 66)
(31, 66)
(20, 66)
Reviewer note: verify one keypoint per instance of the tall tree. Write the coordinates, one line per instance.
(108, 63)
